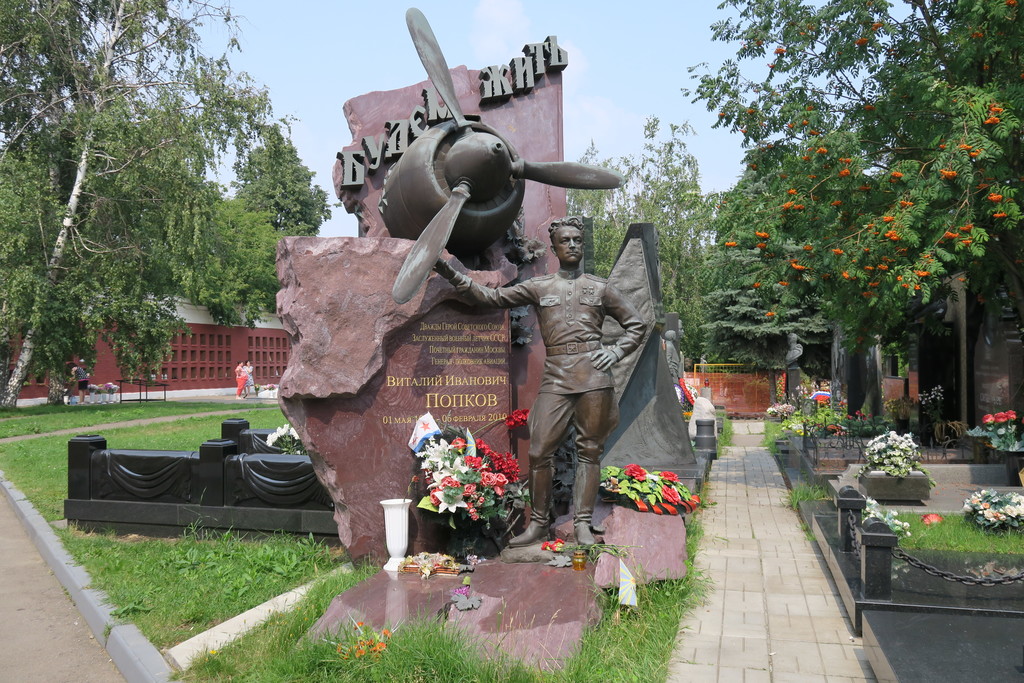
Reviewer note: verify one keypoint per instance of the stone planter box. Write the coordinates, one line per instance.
(882, 486)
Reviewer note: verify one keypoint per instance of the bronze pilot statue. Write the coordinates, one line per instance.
(577, 386)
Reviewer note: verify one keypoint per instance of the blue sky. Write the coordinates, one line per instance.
(627, 61)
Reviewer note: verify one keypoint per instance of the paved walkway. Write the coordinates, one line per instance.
(43, 637)
(773, 614)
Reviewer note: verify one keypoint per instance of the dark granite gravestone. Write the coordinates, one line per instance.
(362, 367)
(651, 430)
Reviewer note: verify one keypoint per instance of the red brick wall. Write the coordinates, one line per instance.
(203, 360)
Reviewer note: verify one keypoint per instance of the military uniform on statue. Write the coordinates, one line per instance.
(577, 386)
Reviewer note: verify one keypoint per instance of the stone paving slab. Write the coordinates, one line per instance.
(773, 613)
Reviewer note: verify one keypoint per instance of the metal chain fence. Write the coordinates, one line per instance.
(900, 554)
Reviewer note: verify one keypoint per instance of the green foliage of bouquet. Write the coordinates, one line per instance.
(895, 454)
(994, 511)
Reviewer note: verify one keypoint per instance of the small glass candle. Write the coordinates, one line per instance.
(579, 560)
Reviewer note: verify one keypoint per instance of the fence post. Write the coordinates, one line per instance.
(80, 450)
(876, 543)
(706, 440)
(212, 454)
(848, 500)
(232, 429)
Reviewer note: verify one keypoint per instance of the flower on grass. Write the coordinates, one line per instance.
(994, 511)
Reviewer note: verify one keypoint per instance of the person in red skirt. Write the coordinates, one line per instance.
(241, 376)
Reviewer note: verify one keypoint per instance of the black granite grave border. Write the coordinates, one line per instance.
(821, 519)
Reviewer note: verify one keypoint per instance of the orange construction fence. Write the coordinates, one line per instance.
(742, 391)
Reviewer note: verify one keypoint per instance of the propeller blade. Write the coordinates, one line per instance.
(428, 247)
(567, 174)
(434, 62)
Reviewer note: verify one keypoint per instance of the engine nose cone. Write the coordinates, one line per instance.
(482, 159)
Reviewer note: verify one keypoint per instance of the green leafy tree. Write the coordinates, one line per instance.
(273, 179)
(239, 283)
(884, 147)
(661, 186)
(110, 119)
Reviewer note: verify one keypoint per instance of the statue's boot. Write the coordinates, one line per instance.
(584, 496)
(540, 509)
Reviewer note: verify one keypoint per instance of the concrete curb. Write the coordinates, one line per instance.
(138, 660)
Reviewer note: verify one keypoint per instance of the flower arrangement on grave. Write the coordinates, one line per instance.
(361, 641)
(782, 410)
(265, 387)
(109, 388)
(466, 479)
(427, 564)
(647, 491)
(994, 511)
(287, 439)
(95, 389)
(1001, 430)
(875, 511)
(895, 454)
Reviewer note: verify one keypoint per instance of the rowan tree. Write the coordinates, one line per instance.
(885, 142)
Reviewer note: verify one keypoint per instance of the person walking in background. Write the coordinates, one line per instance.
(240, 378)
(250, 384)
(82, 377)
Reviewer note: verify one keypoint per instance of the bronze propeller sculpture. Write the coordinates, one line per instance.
(461, 184)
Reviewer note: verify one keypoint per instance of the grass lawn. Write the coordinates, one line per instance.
(173, 589)
(772, 432)
(956, 534)
(44, 419)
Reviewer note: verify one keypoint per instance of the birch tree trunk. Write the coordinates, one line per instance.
(9, 394)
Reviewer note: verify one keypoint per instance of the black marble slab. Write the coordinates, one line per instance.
(944, 647)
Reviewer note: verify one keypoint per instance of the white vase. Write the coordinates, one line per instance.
(396, 530)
